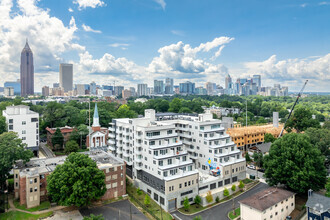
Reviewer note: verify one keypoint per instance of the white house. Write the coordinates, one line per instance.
(25, 123)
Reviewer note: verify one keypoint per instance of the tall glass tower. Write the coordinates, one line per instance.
(27, 71)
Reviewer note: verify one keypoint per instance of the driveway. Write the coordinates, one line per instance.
(115, 211)
(220, 212)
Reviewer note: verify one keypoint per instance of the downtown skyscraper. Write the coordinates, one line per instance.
(27, 71)
(66, 76)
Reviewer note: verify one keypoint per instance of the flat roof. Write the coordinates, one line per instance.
(266, 198)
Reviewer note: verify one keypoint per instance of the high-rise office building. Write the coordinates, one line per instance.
(187, 88)
(80, 89)
(45, 91)
(92, 88)
(142, 89)
(228, 82)
(66, 76)
(119, 90)
(257, 80)
(56, 85)
(211, 88)
(169, 86)
(16, 86)
(158, 86)
(27, 71)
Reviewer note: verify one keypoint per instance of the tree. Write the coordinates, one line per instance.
(225, 192)
(327, 187)
(71, 146)
(283, 113)
(74, 136)
(233, 188)
(247, 157)
(209, 197)
(269, 138)
(241, 185)
(296, 163)
(147, 200)
(197, 200)
(124, 112)
(54, 114)
(186, 204)
(11, 150)
(175, 105)
(217, 199)
(139, 191)
(258, 159)
(77, 181)
(185, 110)
(94, 217)
(57, 139)
(321, 139)
(301, 120)
(3, 124)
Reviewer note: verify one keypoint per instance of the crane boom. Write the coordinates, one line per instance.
(299, 95)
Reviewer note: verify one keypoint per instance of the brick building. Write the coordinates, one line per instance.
(66, 132)
(30, 179)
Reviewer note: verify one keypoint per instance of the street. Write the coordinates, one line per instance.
(115, 211)
(220, 212)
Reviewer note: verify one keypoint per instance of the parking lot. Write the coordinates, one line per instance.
(122, 210)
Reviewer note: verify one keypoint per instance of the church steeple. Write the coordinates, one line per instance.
(96, 117)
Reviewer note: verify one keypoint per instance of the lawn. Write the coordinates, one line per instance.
(237, 212)
(153, 207)
(13, 215)
(43, 205)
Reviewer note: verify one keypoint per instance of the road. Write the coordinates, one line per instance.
(45, 150)
(254, 172)
(115, 211)
(220, 212)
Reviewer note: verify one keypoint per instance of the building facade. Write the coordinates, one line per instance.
(45, 91)
(65, 131)
(187, 88)
(169, 86)
(16, 86)
(66, 76)
(30, 180)
(142, 89)
(158, 87)
(25, 123)
(27, 71)
(318, 206)
(173, 156)
(270, 204)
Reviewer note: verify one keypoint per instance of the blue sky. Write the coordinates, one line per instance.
(284, 41)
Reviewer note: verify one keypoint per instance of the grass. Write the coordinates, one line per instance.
(59, 153)
(83, 150)
(13, 215)
(237, 212)
(246, 181)
(153, 207)
(43, 205)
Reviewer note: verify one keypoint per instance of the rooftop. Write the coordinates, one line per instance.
(39, 166)
(266, 198)
(318, 202)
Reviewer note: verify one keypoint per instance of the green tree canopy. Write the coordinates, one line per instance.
(71, 146)
(225, 192)
(124, 112)
(57, 139)
(269, 138)
(301, 120)
(197, 200)
(11, 149)
(175, 105)
(296, 163)
(147, 200)
(76, 182)
(186, 204)
(3, 124)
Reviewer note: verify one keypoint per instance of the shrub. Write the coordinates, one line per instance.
(233, 188)
(217, 199)
(209, 197)
(94, 217)
(139, 191)
(197, 200)
(186, 204)
(241, 185)
(226, 192)
(147, 200)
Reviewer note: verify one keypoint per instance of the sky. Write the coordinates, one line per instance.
(136, 41)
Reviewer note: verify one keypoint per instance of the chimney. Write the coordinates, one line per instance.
(310, 193)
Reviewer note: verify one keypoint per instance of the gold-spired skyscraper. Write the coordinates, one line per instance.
(27, 71)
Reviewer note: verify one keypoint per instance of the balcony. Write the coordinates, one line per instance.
(139, 166)
(227, 153)
(171, 154)
(173, 144)
(162, 136)
(138, 159)
(111, 141)
(112, 135)
(229, 144)
(191, 149)
(112, 129)
(112, 148)
(216, 137)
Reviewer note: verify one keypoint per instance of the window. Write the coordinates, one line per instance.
(165, 173)
(11, 127)
(155, 197)
(219, 183)
(16, 175)
(291, 204)
(23, 131)
(11, 121)
(148, 191)
(31, 190)
(31, 181)
(186, 193)
(169, 132)
(275, 213)
(35, 189)
(23, 138)
(160, 163)
(16, 184)
(34, 119)
(23, 122)
(169, 161)
(35, 180)
(185, 184)
(161, 200)
(213, 186)
(180, 185)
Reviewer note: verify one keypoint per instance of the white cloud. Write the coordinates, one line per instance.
(181, 59)
(162, 3)
(177, 32)
(324, 3)
(303, 5)
(316, 69)
(83, 4)
(70, 10)
(118, 45)
(89, 29)
(48, 38)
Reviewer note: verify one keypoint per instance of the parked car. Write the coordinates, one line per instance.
(261, 170)
(251, 167)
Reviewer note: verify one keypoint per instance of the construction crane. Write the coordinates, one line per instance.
(299, 94)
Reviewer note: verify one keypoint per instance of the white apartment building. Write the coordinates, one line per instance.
(25, 123)
(173, 156)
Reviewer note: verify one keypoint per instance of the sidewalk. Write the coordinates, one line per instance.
(13, 208)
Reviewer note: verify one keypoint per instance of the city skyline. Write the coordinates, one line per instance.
(104, 52)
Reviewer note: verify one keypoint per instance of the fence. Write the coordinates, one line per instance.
(143, 206)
